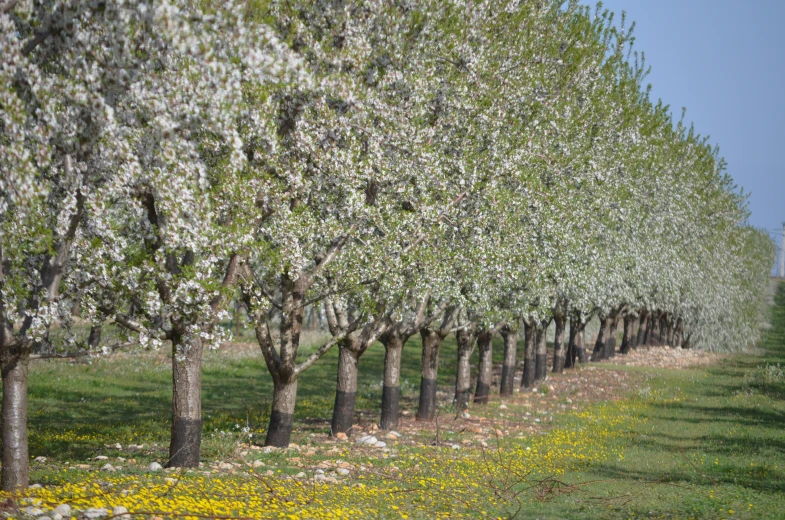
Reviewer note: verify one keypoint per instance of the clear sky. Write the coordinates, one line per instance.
(725, 62)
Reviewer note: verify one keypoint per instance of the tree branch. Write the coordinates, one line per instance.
(310, 360)
(335, 248)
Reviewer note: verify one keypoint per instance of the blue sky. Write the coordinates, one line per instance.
(725, 62)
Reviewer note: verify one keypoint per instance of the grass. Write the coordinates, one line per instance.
(693, 443)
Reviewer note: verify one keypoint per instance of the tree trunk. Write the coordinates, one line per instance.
(559, 352)
(572, 349)
(391, 391)
(663, 336)
(529, 356)
(282, 417)
(16, 460)
(642, 328)
(671, 332)
(186, 441)
(541, 356)
(654, 330)
(610, 341)
(431, 342)
(627, 339)
(508, 366)
(598, 354)
(634, 333)
(95, 336)
(582, 344)
(484, 368)
(346, 393)
(463, 380)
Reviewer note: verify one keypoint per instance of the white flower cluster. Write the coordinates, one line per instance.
(501, 155)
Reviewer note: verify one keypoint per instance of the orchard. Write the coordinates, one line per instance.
(385, 171)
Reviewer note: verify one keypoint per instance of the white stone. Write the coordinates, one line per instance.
(56, 516)
(35, 486)
(456, 447)
(107, 467)
(224, 465)
(320, 471)
(380, 444)
(121, 512)
(367, 439)
(32, 511)
(63, 510)
(40, 459)
(101, 457)
(502, 406)
(300, 475)
(394, 433)
(154, 466)
(343, 471)
(95, 512)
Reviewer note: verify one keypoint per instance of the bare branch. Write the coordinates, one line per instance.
(335, 248)
(265, 340)
(83, 353)
(302, 367)
(230, 278)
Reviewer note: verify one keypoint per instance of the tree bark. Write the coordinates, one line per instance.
(431, 342)
(671, 332)
(582, 357)
(346, 392)
(466, 337)
(654, 330)
(572, 349)
(634, 333)
(95, 336)
(282, 416)
(186, 440)
(16, 460)
(598, 354)
(391, 391)
(610, 341)
(663, 330)
(529, 356)
(559, 352)
(541, 354)
(627, 339)
(642, 328)
(510, 337)
(485, 367)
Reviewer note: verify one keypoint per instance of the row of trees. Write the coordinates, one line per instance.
(410, 167)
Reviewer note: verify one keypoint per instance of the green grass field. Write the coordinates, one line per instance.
(693, 443)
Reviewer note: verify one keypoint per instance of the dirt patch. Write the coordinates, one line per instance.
(526, 412)
(666, 357)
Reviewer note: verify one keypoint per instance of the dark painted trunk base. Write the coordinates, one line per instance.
(508, 380)
(343, 412)
(528, 373)
(186, 442)
(391, 398)
(280, 430)
(462, 400)
(426, 411)
(482, 393)
(541, 367)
